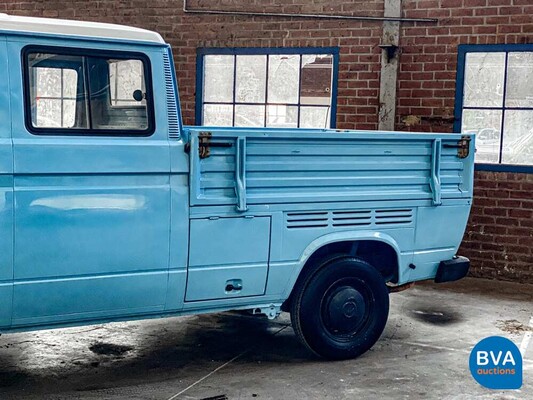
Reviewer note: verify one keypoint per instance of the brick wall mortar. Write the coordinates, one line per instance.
(499, 234)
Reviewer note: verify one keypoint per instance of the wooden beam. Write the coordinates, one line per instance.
(390, 56)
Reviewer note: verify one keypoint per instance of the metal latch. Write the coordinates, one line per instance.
(205, 144)
(463, 146)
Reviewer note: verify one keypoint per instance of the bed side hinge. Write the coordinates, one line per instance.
(462, 146)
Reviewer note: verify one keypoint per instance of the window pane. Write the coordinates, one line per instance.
(125, 77)
(484, 75)
(70, 83)
(486, 125)
(218, 78)
(282, 116)
(218, 115)
(118, 94)
(251, 79)
(48, 82)
(518, 137)
(316, 73)
(283, 78)
(314, 117)
(519, 80)
(53, 87)
(69, 113)
(249, 115)
(48, 113)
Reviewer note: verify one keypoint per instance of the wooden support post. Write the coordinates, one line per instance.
(389, 66)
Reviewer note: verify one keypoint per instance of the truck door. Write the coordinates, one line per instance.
(91, 184)
(6, 196)
(228, 257)
(229, 251)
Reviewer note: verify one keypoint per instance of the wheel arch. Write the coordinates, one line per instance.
(373, 247)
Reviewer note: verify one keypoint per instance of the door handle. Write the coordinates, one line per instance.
(233, 285)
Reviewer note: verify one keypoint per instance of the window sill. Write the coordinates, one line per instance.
(526, 169)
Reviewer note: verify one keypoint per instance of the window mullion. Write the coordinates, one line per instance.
(505, 65)
(234, 88)
(299, 91)
(266, 87)
(62, 102)
(87, 90)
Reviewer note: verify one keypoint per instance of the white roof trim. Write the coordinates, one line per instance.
(77, 28)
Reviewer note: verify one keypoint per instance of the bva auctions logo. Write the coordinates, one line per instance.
(496, 363)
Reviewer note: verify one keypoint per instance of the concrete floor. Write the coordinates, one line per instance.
(423, 354)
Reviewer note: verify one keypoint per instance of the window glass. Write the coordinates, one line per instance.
(520, 80)
(498, 105)
(281, 116)
(484, 75)
(86, 93)
(284, 76)
(55, 98)
(314, 117)
(518, 140)
(125, 77)
(486, 124)
(249, 115)
(274, 90)
(218, 115)
(218, 73)
(251, 79)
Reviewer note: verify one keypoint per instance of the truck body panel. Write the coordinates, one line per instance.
(98, 227)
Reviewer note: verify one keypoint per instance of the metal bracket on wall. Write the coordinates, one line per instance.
(188, 10)
(391, 50)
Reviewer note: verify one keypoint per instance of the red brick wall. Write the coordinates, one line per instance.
(499, 236)
(426, 87)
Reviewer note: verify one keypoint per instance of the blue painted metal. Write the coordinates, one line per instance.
(462, 51)
(6, 194)
(223, 257)
(201, 52)
(173, 106)
(113, 228)
(90, 236)
(240, 174)
(435, 181)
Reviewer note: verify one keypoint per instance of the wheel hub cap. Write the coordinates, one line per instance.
(345, 310)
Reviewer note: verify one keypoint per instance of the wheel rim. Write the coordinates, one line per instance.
(345, 308)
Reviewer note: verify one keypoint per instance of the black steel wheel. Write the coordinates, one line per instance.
(341, 309)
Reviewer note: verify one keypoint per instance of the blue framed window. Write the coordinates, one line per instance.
(267, 87)
(494, 99)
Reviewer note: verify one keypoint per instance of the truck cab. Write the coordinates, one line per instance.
(113, 210)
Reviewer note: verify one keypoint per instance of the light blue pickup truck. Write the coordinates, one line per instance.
(111, 209)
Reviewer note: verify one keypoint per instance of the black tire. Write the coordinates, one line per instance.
(339, 311)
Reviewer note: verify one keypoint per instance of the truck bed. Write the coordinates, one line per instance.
(315, 166)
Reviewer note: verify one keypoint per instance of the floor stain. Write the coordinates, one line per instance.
(513, 326)
(109, 349)
(436, 316)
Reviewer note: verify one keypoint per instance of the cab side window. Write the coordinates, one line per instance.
(77, 94)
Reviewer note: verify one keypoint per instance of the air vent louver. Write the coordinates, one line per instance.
(393, 217)
(307, 220)
(172, 103)
(350, 218)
